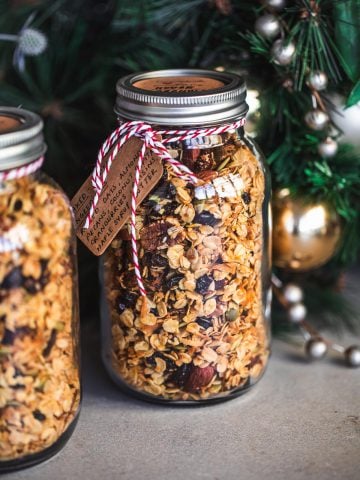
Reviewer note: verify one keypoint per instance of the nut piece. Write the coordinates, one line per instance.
(199, 378)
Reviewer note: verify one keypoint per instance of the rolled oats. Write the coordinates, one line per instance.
(203, 333)
(39, 365)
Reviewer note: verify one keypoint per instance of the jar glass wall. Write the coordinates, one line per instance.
(203, 334)
(39, 321)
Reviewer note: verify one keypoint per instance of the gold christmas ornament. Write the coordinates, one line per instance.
(306, 233)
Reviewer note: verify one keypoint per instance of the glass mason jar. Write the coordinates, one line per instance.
(39, 317)
(203, 251)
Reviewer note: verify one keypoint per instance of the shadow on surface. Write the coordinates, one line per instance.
(96, 381)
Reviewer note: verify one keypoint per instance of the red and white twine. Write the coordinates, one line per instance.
(22, 171)
(151, 141)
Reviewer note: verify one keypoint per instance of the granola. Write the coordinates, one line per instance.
(202, 333)
(39, 365)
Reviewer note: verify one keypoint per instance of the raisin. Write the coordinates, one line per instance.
(8, 337)
(39, 415)
(18, 205)
(173, 281)
(51, 343)
(203, 283)
(168, 208)
(204, 322)
(31, 285)
(205, 218)
(18, 386)
(170, 364)
(129, 278)
(220, 284)
(180, 376)
(14, 279)
(126, 300)
(254, 361)
(156, 260)
(166, 190)
(246, 198)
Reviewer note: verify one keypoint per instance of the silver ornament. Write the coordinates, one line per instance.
(268, 26)
(315, 348)
(277, 4)
(316, 119)
(328, 147)
(293, 293)
(297, 313)
(352, 356)
(317, 80)
(283, 52)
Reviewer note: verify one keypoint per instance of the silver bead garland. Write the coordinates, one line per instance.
(315, 348)
(328, 148)
(283, 52)
(352, 356)
(276, 4)
(317, 80)
(268, 26)
(290, 296)
(316, 119)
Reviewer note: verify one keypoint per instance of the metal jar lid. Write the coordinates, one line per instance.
(181, 97)
(21, 137)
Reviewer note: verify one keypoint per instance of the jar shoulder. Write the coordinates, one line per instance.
(38, 198)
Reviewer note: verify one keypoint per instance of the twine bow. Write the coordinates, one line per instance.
(152, 142)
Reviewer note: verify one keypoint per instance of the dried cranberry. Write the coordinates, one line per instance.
(205, 218)
(203, 283)
(180, 376)
(153, 234)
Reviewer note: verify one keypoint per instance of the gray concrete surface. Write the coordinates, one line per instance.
(300, 422)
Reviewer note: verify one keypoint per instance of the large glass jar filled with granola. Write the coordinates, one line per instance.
(39, 357)
(203, 249)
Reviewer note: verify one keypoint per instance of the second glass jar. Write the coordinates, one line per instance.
(203, 251)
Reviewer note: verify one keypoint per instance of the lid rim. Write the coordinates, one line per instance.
(195, 107)
(23, 144)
